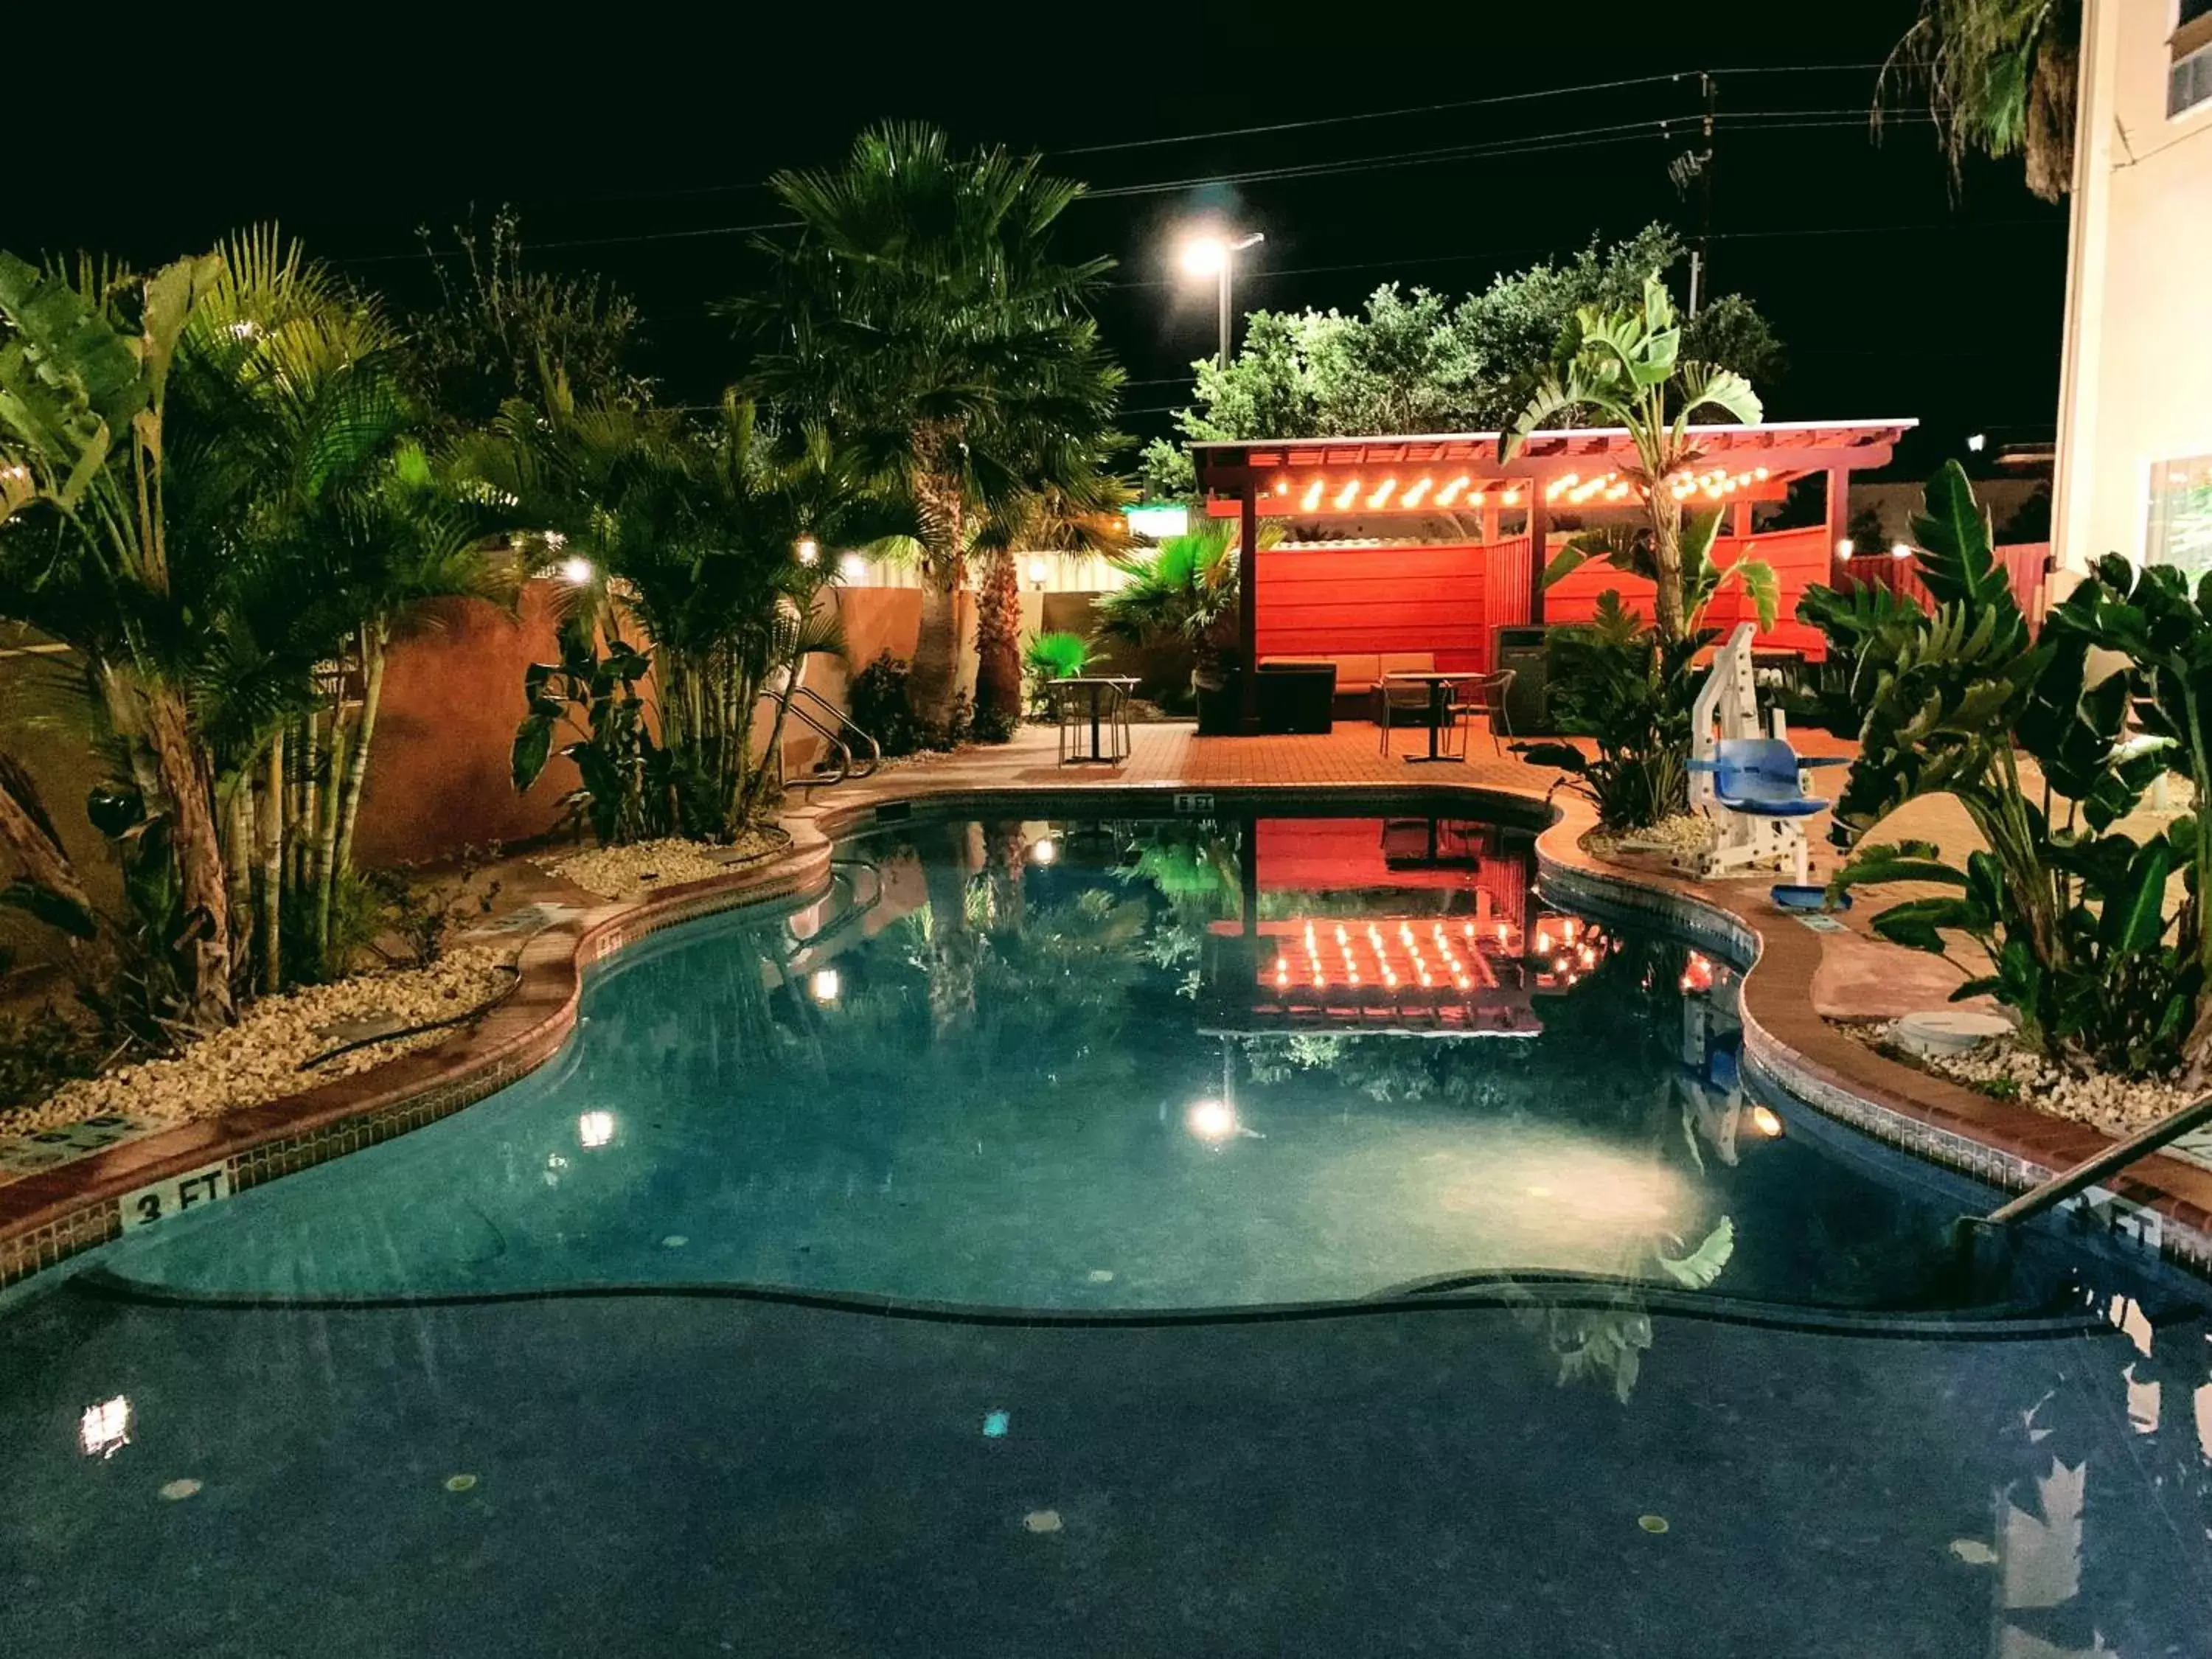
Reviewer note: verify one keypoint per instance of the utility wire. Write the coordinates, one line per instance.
(1521, 144)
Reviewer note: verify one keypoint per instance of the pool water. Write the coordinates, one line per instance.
(1257, 1234)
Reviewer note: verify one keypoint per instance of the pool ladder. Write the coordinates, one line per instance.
(836, 728)
(2090, 1171)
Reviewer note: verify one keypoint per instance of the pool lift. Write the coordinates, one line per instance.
(1746, 782)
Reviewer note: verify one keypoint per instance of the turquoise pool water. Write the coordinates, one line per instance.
(1089, 1066)
(1041, 1243)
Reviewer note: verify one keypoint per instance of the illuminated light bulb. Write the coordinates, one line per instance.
(1347, 495)
(1763, 1119)
(576, 571)
(1340, 935)
(1382, 493)
(852, 568)
(1419, 493)
(1899, 550)
(1845, 547)
(1543, 942)
(595, 1128)
(1560, 966)
(823, 985)
(1512, 498)
(1760, 473)
(1044, 852)
(1618, 492)
(1501, 932)
(1312, 497)
(1282, 486)
(1450, 492)
(1467, 930)
(1351, 978)
(1212, 1119)
(810, 550)
(1465, 983)
(1477, 498)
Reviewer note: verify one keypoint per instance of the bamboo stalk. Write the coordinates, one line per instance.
(272, 866)
(372, 641)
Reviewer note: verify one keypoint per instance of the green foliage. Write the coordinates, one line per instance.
(500, 332)
(626, 788)
(2071, 916)
(1616, 682)
(1997, 77)
(1867, 627)
(1186, 587)
(1631, 549)
(877, 700)
(1624, 365)
(1055, 655)
(1420, 361)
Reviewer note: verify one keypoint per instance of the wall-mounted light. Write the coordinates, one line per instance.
(1038, 569)
(1899, 550)
(576, 571)
(810, 550)
(1845, 547)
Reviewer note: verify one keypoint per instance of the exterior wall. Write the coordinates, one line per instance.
(2136, 387)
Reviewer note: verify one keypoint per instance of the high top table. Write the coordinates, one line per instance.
(1095, 688)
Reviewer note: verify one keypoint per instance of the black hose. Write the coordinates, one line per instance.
(514, 980)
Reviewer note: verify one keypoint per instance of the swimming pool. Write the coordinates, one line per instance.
(1254, 1234)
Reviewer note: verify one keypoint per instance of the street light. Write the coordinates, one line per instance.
(1212, 256)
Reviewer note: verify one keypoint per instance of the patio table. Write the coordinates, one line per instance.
(1439, 683)
(1094, 687)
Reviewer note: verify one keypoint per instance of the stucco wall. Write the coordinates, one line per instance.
(2138, 375)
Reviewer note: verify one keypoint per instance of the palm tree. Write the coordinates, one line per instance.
(1186, 589)
(921, 313)
(1083, 516)
(694, 535)
(2001, 76)
(84, 379)
(1622, 365)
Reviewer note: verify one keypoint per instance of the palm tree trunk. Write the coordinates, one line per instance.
(26, 833)
(326, 835)
(238, 854)
(188, 784)
(356, 772)
(997, 648)
(935, 679)
(272, 866)
(1667, 561)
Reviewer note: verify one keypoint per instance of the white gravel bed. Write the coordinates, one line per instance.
(258, 1059)
(626, 872)
(1686, 832)
(2009, 1071)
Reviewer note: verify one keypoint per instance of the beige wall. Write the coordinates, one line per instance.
(2136, 387)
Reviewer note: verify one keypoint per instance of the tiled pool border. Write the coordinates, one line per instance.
(49, 1217)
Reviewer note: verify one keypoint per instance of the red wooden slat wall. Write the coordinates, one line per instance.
(1345, 601)
(1801, 558)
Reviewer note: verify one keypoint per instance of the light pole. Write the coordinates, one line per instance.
(1216, 256)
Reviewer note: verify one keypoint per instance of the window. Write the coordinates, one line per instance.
(2180, 532)
(2188, 82)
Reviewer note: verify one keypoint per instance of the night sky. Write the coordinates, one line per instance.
(635, 145)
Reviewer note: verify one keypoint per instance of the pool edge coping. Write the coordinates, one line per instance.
(50, 1216)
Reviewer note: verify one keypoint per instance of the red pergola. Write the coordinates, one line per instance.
(1411, 480)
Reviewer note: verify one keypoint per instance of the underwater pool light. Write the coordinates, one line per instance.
(1212, 1119)
(1764, 1120)
(595, 1128)
(823, 985)
(1045, 851)
(105, 1429)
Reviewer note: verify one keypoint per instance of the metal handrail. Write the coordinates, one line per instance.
(845, 722)
(2088, 1172)
(837, 746)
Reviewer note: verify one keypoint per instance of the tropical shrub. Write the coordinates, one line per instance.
(1619, 682)
(1624, 365)
(878, 701)
(626, 788)
(1053, 655)
(1187, 588)
(2071, 914)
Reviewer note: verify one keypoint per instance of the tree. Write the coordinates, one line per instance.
(84, 379)
(2000, 77)
(1418, 362)
(922, 313)
(500, 330)
(692, 532)
(1621, 364)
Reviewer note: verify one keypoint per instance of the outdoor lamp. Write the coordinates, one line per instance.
(1216, 256)
(1037, 569)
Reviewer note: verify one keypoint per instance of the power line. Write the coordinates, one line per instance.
(1548, 143)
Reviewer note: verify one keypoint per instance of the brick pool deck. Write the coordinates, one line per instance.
(1800, 974)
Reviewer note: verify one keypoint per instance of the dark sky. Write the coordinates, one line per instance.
(634, 141)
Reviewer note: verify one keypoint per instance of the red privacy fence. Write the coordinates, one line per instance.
(2028, 567)
(1799, 559)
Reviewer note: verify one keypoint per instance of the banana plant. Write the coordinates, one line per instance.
(2069, 912)
(1631, 549)
(625, 791)
(1624, 365)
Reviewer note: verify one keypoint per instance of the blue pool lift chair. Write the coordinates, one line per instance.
(1750, 784)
